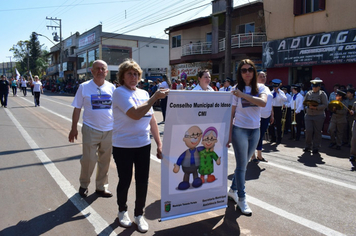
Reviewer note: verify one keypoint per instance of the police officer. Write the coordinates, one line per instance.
(338, 122)
(315, 116)
(349, 101)
(278, 100)
(353, 139)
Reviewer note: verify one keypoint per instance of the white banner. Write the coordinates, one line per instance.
(194, 164)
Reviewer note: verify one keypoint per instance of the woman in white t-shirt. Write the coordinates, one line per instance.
(133, 121)
(37, 90)
(245, 129)
(204, 80)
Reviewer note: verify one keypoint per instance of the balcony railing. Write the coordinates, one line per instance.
(196, 48)
(244, 40)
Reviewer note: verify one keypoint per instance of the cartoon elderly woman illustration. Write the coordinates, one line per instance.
(207, 155)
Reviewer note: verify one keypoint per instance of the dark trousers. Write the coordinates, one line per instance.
(263, 127)
(24, 90)
(37, 98)
(297, 129)
(3, 95)
(125, 158)
(287, 126)
(164, 107)
(277, 125)
(14, 90)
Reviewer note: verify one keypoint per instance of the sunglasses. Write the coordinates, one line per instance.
(244, 70)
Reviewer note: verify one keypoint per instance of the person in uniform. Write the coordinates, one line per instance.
(352, 112)
(286, 105)
(338, 122)
(349, 101)
(297, 107)
(315, 116)
(278, 100)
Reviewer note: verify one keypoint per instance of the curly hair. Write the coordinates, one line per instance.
(128, 64)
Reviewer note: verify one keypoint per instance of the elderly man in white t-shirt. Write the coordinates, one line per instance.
(96, 97)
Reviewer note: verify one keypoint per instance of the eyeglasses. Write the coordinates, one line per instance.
(244, 70)
(193, 135)
(99, 91)
(207, 139)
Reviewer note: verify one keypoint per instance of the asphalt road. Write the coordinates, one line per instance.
(293, 194)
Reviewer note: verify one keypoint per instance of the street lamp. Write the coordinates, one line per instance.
(45, 37)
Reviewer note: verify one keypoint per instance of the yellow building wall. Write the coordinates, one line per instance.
(281, 22)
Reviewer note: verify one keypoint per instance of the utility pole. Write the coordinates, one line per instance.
(228, 39)
(59, 25)
(10, 65)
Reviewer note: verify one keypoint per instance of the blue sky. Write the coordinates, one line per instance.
(146, 18)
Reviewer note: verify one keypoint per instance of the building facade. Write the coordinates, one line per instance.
(308, 39)
(200, 43)
(81, 50)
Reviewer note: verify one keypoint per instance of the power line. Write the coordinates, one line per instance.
(84, 4)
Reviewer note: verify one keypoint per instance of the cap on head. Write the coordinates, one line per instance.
(276, 82)
(340, 93)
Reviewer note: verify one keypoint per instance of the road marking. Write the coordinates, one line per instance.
(309, 174)
(100, 225)
(54, 113)
(300, 220)
(58, 102)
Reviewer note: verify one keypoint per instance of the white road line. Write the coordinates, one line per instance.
(54, 113)
(100, 225)
(297, 219)
(300, 220)
(58, 102)
(353, 187)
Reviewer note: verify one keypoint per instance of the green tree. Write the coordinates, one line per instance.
(30, 56)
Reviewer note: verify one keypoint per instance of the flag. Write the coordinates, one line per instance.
(17, 74)
(31, 75)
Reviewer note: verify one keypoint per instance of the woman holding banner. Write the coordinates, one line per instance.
(245, 129)
(133, 121)
(204, 81)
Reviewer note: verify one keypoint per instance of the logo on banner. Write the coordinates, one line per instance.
(167, 206)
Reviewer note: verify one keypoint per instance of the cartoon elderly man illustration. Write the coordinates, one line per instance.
(189, 159)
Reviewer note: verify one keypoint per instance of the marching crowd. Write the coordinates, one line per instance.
(118, 120)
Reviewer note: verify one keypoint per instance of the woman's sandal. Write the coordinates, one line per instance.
(263, 160)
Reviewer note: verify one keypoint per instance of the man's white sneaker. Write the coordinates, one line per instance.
(245, 209)
(141, 224)
(124, 219)
(232, 194)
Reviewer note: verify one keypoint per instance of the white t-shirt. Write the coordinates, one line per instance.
(164, 85)
(23, 83)
(267, 110)
(247, 115)
(97, 103)
(37, 86)
(127, 132)
(199, 88)
(225, 89)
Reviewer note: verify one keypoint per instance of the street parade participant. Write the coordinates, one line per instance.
(278, 100)
(133, 120)
(349, 101)
(316, 102)
(338, 121)
(353, 139)
(245, 127)
(204, 79)
(297, 107)
(95, 96)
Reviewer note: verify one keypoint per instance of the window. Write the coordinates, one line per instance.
(82, 60)
(246, 28)
(176, 41)
(308, 6)
(115, 56)
(209, 37)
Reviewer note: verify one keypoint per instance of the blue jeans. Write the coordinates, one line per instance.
(263, 127)
(244, 142)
